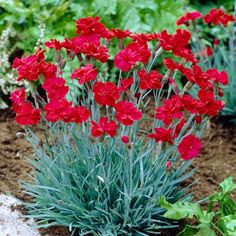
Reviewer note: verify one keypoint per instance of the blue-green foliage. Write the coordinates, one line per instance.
(103, 188)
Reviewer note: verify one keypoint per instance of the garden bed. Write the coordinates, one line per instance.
(217, 160)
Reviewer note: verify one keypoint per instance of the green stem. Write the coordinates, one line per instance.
(217, 229)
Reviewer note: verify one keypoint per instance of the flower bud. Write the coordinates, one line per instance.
(168, 165)
(125, 139)
(216, 41)
(62, 63)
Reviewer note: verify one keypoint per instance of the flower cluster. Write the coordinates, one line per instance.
(214, 16)
(115, 108)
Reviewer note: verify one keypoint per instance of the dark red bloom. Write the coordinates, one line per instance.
(170, 110)
(150, 80)
(198, 76)
(127, 113)
(120, 34)
(104, 126)
(133, 53)
(179, 127)
(125, 139)
(18, 96)
(84, 74)
(126, 83)
(211, 105)
(172, 65)
(105, 93)
(143, 37)
(189, 147)
(189, 16)
(53, 43)
(125, 59)
(98, 52)
(191, 104)
(218, 16)
(216, 41)
(178, 43)
(56, 88)
(216, 76)
(30, 68)
(57, 110)
(91, 25)
(162, 135)
(26, 114)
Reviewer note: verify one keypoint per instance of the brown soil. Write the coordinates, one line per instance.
(217, 161)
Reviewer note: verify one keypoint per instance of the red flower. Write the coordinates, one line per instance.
(77, 114)
(62, 110)
(133, 53)
(120, 34)
(216, 76)
(189, 147)
(26, 114)
(104, 126)
(126, 83)
(179, 127)
(218, 16)
(125, 139)
(55, 88)
(189, 16)
(143, 37)
(172, 65)
(162, 135)
(125, 59)
(141, 48)
(207, 51)
(127, 113)
(178, 43)
(170, 110)
(198, 76)
(150, 80)
(211, 106)
(55, 108)
(106, 93)
(216, 41)
(18, 96)
(91, 25)
(53, 43)
(31, 67)
(85, 74)
(98, 52)
(191, 104)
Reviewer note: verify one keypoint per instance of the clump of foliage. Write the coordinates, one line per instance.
(218, 219)
(214, 42)
(112, 149)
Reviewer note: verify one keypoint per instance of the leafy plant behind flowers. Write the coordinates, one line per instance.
(216, 48)
(112, 149)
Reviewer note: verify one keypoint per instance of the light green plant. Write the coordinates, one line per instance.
(219, 219)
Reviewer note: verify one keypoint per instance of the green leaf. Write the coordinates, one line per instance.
(201, 230)
(188, 231)
(180, 210)
(227, 225)
(228, 185)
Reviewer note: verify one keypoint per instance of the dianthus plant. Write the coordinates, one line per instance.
(216, 48)
(114, 148)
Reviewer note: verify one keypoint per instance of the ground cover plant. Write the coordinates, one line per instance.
(218, 219)
(104, 161)
(214, 41)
